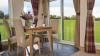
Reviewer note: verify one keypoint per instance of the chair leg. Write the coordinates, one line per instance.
(25, 51)
(57, 43)
(39, 44)
(9, 46)
(17, 51)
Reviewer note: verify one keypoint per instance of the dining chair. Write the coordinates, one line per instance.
(54, 33)
(54, 25)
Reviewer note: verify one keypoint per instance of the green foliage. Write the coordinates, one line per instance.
(97, 19)
(6, 16)
(1, 14)
(3, 32)
(69, 30)
(73, 17)
(54, 17)
(66, 18)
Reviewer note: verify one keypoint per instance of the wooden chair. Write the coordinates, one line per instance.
(54, 32)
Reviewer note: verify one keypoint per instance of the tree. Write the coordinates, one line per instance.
(97, 19)
(1, 14)
(53, 16)
(6, 16)
(66, 18)
(73, 17)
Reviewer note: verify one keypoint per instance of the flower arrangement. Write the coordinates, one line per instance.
(26, 16)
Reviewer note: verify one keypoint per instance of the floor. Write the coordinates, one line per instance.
(58, 50)
(81, 53)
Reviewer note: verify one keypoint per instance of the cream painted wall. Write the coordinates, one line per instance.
(83, 15)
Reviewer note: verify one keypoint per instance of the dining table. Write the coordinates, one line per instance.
(30, 31)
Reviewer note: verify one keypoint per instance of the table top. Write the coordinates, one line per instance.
(38, 28)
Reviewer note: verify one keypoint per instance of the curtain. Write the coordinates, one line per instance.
(89, 33)
(35, 6)
(77, 26)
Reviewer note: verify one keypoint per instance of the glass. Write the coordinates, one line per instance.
(69, 21)
(55, 17)
(96, 15)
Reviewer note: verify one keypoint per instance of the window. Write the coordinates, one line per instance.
(96, 14)
(68, 19)
(27, 7)
(3, 14)
(55, 17)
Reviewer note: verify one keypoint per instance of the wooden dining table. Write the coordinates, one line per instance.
(40, 29)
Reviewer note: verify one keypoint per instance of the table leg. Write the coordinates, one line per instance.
(31, 44)
(50, 40)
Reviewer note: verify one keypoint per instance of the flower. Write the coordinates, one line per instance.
(26, 16)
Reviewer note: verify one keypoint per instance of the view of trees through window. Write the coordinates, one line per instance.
(96, 14)
(4, 9)
(4, 14)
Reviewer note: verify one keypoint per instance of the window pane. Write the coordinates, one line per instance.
(96, 14)
(55, 17)
(3, 14)
(69, 20)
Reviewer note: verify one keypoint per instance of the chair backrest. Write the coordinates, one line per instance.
(19, 32)
(54, 25)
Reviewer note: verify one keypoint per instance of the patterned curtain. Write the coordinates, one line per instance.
(89, 35)
(35, 6)
(77, 27)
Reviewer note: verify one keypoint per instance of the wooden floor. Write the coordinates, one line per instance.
(58, 50)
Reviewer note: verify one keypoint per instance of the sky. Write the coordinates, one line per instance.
(4, 6)
(54, 7)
